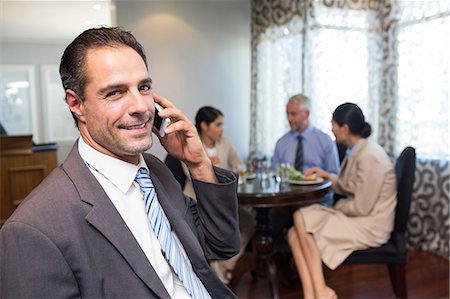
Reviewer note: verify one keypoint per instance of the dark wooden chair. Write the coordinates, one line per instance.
(394, 252)
(342, 151)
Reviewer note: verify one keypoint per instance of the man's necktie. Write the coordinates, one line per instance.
(299, 154)
(170, 244)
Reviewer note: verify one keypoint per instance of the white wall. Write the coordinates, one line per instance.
(198, 54)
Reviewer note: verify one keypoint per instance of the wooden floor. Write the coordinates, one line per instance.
(427, 276)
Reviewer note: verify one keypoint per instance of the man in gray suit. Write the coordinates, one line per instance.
(85, 231)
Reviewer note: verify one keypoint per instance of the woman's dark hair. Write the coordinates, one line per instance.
(73, 61)
(206, 114)
(352, 115)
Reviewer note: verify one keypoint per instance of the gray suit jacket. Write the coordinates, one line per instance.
(68, 240)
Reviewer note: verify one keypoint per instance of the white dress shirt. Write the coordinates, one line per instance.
(117, 179)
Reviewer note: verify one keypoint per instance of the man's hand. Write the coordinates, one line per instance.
(319, 172)
(183, 142)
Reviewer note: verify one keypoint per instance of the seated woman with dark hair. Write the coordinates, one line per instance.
(363, 218)
(209, 123)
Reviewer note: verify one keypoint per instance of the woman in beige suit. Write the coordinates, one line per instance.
(363, 218)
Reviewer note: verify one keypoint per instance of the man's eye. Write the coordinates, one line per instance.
(145, 88)
(112, 94)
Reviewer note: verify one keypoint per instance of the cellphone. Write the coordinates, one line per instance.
(159, 123)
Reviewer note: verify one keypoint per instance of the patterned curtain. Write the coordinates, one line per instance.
(428, 227)
(390, 57)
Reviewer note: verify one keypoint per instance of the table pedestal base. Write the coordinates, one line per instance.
(262, 258)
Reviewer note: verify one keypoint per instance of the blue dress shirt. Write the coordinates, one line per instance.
(318, 150)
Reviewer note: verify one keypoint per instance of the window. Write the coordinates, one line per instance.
(279, 68)
(335, 61)
(423, 77)
(342, 64)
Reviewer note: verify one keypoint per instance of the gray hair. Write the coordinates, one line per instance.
(302, 100)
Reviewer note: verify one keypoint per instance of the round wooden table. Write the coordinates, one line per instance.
(262, 194)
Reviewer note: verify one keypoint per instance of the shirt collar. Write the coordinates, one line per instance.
(118, 172)
(306, 134)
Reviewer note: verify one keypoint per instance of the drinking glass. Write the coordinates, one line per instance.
(283, 172)
(240, 170)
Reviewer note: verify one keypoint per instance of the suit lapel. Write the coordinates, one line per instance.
(107, 220)
(177, 221)
(349, 163)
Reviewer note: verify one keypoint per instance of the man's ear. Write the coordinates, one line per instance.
(75, 104)
(307, 113)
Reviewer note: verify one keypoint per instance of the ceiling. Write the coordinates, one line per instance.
(52, 20)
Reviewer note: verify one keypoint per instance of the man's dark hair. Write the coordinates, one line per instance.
(73, 61)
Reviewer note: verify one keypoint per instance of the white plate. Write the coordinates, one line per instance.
(317, 181)
(250, 176)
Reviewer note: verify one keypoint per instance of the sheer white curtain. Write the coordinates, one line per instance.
(342, 63)
(423, 77)
(279, 68)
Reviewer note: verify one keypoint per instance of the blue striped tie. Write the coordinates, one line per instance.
(170, 245)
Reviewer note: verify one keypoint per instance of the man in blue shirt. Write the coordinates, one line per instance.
(318, 150)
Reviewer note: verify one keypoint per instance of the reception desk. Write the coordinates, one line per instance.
(23, 167)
